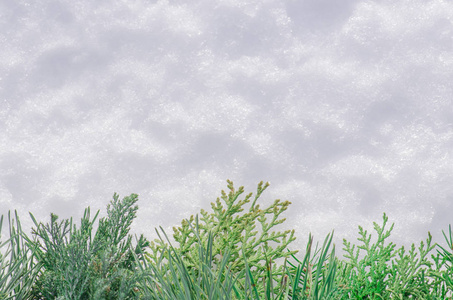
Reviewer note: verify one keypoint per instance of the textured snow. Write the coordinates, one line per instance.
(345, 107)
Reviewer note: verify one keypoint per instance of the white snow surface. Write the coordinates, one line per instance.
(345, 107)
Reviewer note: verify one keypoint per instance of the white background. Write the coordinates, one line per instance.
(345, 107)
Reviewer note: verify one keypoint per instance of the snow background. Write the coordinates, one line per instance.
(345, 107)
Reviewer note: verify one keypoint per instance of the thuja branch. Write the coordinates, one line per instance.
(235, 228)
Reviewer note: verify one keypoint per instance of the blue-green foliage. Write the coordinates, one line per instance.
(77, 264)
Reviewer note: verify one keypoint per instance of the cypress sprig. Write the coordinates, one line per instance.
(247, 233)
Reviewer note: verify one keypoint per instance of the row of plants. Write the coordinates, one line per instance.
(232, 252)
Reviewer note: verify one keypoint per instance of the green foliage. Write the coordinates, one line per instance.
(76, 265)
(314, 276)
(171, 278)
(248, 236)
(443, 270)
(382, 272)
(230, 253)
(17, 267)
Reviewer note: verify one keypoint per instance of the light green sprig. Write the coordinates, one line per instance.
(246, 234)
